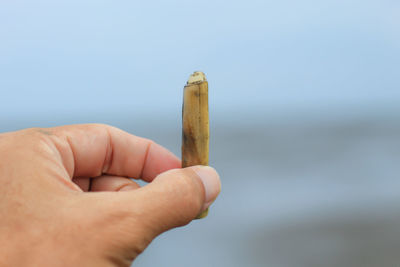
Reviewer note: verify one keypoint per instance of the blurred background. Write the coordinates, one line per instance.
(304, 113)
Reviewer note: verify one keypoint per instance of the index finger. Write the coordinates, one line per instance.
(90, 150)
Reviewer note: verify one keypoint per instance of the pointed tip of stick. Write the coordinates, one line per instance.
(197, 77)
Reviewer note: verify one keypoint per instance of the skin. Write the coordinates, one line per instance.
(65, 199)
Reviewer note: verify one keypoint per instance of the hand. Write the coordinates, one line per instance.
(52, 213)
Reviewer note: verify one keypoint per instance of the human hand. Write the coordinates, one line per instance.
(48, 218)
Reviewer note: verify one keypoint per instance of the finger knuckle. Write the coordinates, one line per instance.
(99, 125)
(36, 138)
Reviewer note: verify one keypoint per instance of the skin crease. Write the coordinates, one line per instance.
(65, 199)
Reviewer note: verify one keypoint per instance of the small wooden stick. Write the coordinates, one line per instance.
(195, 125)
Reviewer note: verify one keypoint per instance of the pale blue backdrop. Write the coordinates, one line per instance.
(60, 56)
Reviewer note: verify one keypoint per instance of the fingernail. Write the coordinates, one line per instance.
(211, 182)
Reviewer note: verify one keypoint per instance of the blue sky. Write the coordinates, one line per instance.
(99, 56)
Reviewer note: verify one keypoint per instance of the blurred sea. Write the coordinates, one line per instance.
(295, 192)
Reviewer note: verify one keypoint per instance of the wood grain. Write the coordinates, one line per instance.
(195, 123)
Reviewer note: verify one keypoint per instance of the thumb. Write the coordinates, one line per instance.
(130, 220)
(176, 197)
(172, 199)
